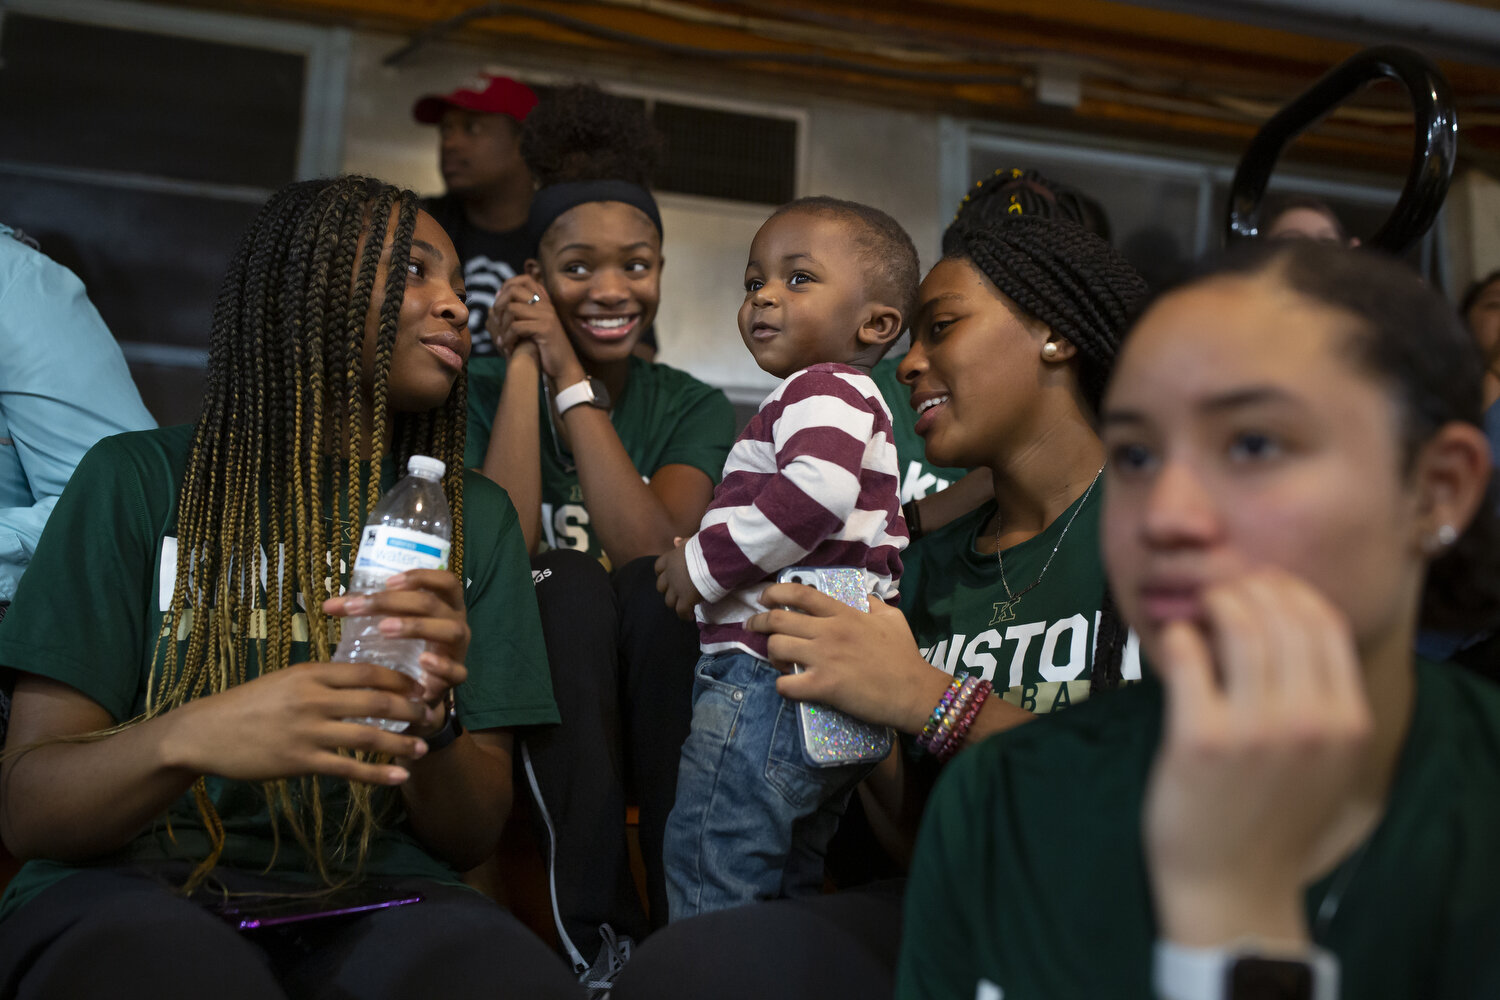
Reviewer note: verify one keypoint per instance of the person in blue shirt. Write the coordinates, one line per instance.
(63, 386)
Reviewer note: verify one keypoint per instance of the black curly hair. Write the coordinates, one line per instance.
(1011, 193)
(885, 249)
(580, 133)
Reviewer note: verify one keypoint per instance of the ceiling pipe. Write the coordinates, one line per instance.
(1443, 28)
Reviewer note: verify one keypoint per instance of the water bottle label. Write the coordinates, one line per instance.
(389, 550)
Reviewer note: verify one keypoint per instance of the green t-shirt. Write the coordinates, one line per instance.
(1030, 874)
(919, 477)
(90, 605)
(664, 417)
(1040, 651)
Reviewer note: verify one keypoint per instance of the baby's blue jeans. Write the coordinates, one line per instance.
(753, 818)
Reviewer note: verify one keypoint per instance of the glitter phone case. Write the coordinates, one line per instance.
(829, 737)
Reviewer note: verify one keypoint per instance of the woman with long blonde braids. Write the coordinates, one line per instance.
(181, 743)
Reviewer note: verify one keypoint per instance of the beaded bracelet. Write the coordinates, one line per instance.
(956, 711)
(930, 730)
(981, 691)
(934, 728)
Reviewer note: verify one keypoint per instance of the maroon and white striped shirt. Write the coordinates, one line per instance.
(811, 481)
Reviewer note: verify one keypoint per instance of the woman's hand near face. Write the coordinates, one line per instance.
(631, 518)
(513, 456)
(516, 320)
(1251, 796)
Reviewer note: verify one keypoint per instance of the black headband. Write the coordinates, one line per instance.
(555, 199)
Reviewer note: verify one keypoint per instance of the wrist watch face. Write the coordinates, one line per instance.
(1270, 979)
(589, 392)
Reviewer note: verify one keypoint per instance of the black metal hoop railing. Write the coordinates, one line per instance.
(1431, 169)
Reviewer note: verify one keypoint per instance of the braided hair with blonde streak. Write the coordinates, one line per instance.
(1074, 282)
(1012, 193)
(275, 477)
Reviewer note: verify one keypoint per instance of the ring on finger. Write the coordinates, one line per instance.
(535, 298)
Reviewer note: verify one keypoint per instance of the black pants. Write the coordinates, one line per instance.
(124, 933)
(841, 945)
(622, 674)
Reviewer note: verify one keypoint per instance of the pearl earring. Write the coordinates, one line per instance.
(1441, 539)
(1049, 351)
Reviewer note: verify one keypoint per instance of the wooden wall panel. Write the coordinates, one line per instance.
(1159, 75)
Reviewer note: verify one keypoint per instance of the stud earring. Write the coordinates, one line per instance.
(1049, 351)
(1441, 539)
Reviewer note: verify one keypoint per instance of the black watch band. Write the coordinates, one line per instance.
(1245, 970)
(1252, 977)
(452, 730)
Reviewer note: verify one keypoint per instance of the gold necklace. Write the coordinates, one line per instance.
(1006, 610)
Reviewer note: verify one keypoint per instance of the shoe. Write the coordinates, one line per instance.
(599, 978)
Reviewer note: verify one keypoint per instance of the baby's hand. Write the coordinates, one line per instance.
(675, 583)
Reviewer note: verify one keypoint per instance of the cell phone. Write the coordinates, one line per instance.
(250, 913)
(829, 737)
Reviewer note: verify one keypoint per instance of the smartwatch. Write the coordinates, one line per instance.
(590, 391)
(452, 730)
(1244, 971)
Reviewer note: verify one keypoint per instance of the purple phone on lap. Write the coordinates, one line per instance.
(278, 911)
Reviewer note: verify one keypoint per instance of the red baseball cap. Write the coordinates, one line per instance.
(495, 95)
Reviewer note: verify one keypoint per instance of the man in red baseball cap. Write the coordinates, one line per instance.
(488, 186)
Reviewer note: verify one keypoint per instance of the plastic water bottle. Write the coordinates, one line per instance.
(410, 528)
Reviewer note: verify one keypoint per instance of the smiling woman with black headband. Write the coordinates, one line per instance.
(607, 457)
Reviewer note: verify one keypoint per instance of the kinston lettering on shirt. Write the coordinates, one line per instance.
(1038, 665)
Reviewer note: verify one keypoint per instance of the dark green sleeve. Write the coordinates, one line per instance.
(943, 937)
(1468, 963)
(82, 612)
(703, 433)
(1470, 967)
(486, 377)
(509, 682)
